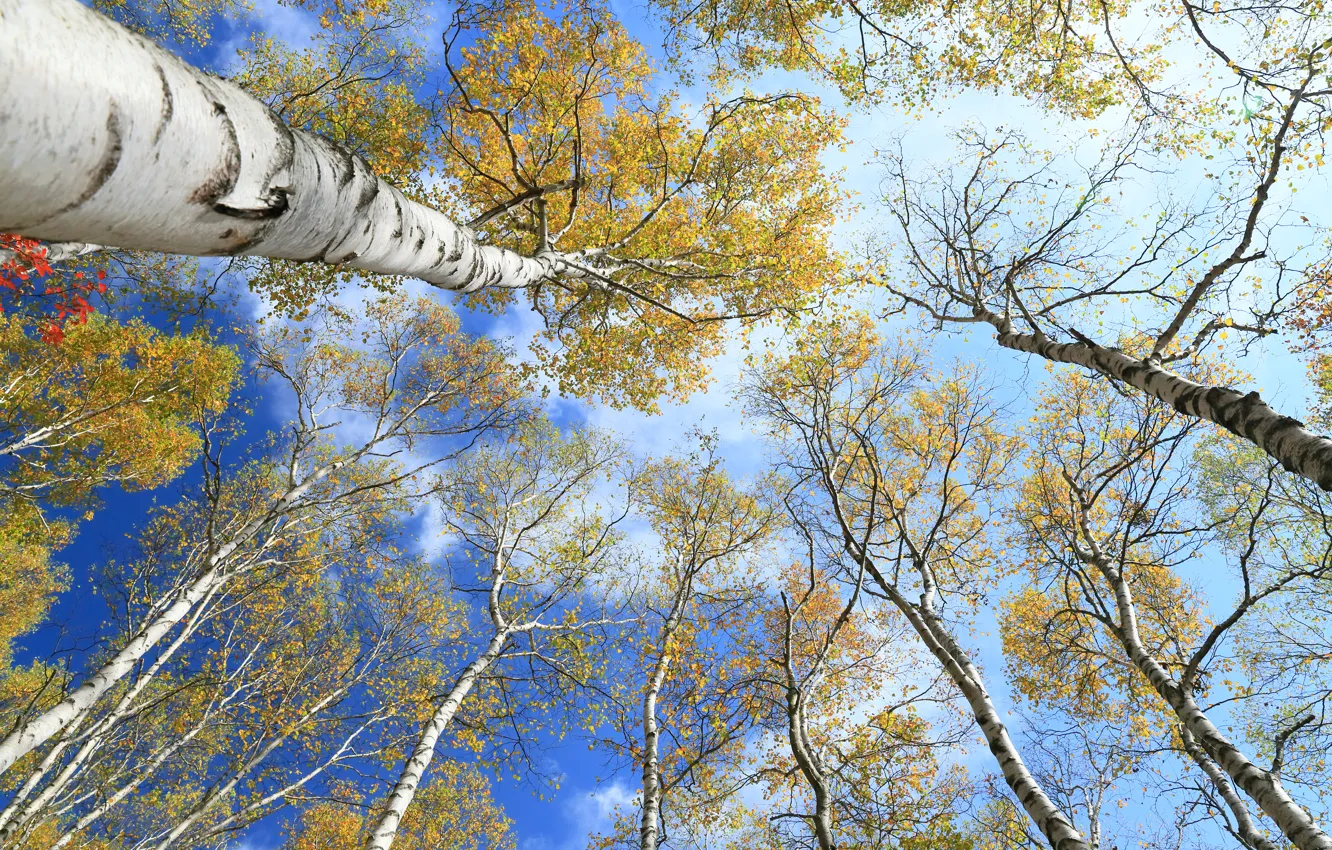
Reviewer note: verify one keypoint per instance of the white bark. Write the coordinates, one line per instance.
(1264, 788)
(414, 770)
(57, 252)
(649, 829)
(797, 733)
(106, 138)
(1244, 414)
(1054, 825)
(798, 697)
(1244, 826)
(829, 443)
(40, 729)
(92, 738)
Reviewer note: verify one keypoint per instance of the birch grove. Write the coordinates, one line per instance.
(290, 554)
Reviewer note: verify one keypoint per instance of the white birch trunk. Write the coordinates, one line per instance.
(92, 738)
(40, 729)
(1264, 788)
(1244, 826)
(1053, 824)
(649, 828)
(1244, 414)
(414, 770)
(57, 252)
(1057, 828)
(106, 138)
(17, 814)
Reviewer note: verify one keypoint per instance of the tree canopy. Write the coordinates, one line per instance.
(351, 480)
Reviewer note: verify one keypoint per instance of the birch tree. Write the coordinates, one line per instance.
(1277, 525)
(904, 470)
(858, 765)
(688, 701)
(112, 405)
(703, 218)
(417, 379)
(265, 704)
(1109, 509)
(1052, 257)
(534, 554)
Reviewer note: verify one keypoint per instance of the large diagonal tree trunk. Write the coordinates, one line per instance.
(106, 138)
(1244, 414)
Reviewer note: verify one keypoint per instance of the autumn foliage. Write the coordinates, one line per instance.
(909, 595)
(28, 285)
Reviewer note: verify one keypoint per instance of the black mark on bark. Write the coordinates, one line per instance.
(223, 178)
(110, 159)
(168, 103)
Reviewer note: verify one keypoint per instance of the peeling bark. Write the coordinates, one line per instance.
(57, 252)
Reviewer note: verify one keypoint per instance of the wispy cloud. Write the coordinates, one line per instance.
(586, 813)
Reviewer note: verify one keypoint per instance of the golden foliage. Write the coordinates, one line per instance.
(454, 810)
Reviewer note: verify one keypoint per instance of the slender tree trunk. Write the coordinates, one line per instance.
(1053, 823)
(92, 738)
(33, 734)
(41, 728)
(106, 138)
(1264, 788)
(649, 829)
(414, 769)
(807, 761)
(1244, 414)
(1244, 826)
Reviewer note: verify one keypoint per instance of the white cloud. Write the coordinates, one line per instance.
(587, 814)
